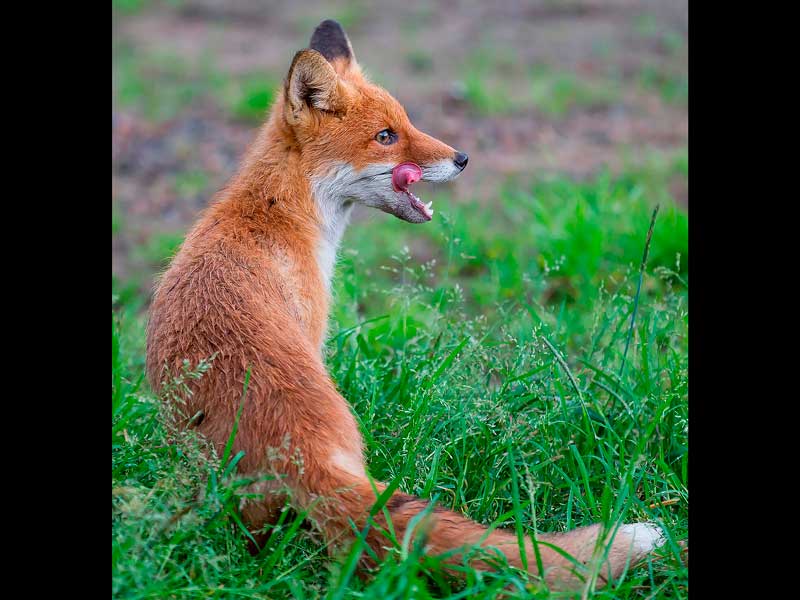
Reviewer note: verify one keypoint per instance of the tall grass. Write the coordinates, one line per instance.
(481, 355)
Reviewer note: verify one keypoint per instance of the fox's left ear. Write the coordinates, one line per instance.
(331, 41)
(312, 84)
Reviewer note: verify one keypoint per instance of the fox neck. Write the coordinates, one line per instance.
(310, 209)
(304, 217)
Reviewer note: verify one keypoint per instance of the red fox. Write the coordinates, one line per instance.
(251, 286)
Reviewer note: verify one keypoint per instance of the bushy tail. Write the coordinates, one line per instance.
(354, 498)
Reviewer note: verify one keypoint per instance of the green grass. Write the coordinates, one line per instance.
(668, 79)
(489, 77)
(254, 97)
(556, 93)
(138, 82)
(481, 354)
(484, 98)
(486, 73)
(117, 219)
(672, 86)
(159, 248)
(128, 6)
(647, 26)
(158, 85)
(190, 183)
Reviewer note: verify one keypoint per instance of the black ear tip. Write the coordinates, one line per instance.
(330, 40)
(330, 24)
(330, 30)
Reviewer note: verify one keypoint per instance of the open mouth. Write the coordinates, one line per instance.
(405, 174)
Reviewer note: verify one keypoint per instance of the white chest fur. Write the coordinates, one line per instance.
(329, 242)
(330, 195)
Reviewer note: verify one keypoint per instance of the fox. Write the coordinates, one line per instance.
(251, 287)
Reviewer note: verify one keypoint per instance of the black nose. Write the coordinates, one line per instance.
(461, 160)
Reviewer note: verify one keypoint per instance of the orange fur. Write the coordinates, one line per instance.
(247, 288)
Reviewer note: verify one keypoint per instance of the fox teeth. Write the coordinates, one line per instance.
(428, 205)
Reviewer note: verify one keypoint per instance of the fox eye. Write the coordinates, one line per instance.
(386, 137)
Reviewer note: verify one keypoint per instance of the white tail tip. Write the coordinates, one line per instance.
(645, 537)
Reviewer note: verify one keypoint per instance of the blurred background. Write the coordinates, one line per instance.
(573, 113)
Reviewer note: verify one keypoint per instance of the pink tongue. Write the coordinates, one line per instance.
(404, 175)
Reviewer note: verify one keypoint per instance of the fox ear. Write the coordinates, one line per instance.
(312, 83)
(331, 41)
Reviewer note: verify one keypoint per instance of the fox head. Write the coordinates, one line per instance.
(356, 141)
